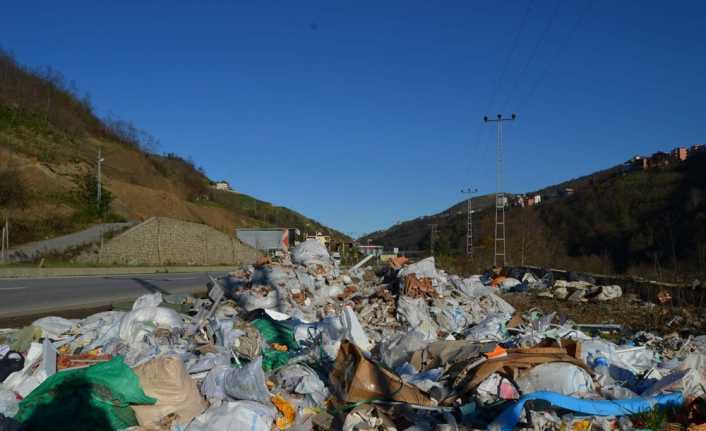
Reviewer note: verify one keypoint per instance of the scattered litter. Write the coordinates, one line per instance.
(300, 343)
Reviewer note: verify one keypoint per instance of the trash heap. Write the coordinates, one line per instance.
(302, 344)
(547, 287)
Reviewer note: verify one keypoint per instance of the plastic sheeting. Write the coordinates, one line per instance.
(511, 415)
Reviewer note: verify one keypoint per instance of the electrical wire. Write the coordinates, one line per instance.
(560, 50)
(503, 70)
(534, 52)
(498, 83)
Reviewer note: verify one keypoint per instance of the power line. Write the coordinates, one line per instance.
(533, 54)
(499, 80)
(559, 52)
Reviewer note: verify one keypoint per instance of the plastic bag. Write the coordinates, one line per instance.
(416, 313)
(97, 397)
(135, 324)
(9, 404)
(311, 251)
(213, 386)
(54, 327)
(492, 328)
(148, 300)
(423, 268)
(560, 377)
(165, 379)
(27, 379)
(399, 347)
(275, 332)
(235, 416)
(248, 383)
(252, 300)
(302, 380)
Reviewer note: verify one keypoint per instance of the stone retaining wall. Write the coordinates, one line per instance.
(165, 241)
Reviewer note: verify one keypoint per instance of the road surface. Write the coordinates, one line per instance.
(23, 296)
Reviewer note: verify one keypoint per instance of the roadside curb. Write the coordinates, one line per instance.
(9, 273)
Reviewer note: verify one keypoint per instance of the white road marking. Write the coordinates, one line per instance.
(13, 288)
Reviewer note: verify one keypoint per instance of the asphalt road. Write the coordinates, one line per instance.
(21, 296)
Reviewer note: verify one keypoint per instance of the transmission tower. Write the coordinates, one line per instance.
(500, 198)
(469, 227)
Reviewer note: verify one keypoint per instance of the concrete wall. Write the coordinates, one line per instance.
(165, 241)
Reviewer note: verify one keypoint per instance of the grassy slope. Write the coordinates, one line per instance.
(47, 152)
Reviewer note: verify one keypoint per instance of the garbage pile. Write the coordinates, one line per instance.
(547, 287)
(304, 345)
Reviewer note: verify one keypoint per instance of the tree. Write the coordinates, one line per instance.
(12, 191)
(87, 193)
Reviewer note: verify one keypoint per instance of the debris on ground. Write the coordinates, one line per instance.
(301, 344)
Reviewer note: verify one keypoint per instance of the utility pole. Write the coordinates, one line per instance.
(500, 199)
(100, 161)
(469, 227)
(5, 240)
(433, 237)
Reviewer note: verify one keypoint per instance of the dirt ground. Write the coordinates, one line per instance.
(634, 315)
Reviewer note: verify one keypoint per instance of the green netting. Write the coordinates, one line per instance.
(275, 332)
(93, 398)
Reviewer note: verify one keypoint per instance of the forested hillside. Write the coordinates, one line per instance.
(643, 222)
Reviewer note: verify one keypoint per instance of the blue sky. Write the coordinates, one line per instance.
(364, 113)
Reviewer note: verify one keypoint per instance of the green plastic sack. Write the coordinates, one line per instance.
(92, 398)
(275, 332)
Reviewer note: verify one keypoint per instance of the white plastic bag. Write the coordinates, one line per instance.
(235, 416)
(9, 404)
(416, 313)
(148, 300)
(54, 327)
(310, 252)
(561, 377)
(423, 268)
(135, 324)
